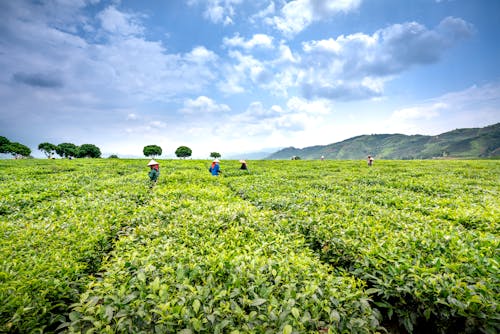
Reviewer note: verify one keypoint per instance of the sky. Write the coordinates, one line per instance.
(241, 76)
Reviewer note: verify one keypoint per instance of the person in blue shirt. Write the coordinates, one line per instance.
(215, 168)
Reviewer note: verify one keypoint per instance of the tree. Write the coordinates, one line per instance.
(215, 155)
(113, 156)
(67, 150)
(183, 152)
(152, 150)
(88, 151)
(17, 149)
(3, 144)
(47, 148)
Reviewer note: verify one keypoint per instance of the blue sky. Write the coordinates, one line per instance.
(239, 76)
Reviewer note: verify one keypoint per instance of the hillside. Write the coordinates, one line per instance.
(459, 143)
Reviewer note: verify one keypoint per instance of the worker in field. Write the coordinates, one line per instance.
(154, 172)
(370, 160)
(243, 165)
(215, 168)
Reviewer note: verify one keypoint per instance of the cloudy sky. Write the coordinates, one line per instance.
(238, 76)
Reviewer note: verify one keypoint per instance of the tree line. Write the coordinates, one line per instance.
(64, 150)
(70, 150)
(14, 148)
(181, 152)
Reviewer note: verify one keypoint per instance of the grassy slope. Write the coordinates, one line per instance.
(462, 143)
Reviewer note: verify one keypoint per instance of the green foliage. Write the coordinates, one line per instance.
(67, 150)
(183, 152)
(16, 149)
(215, 155)
(47, 148)
(3, 144)
(152, 151)
(58, 220)
(113, 156)
(423, 236)
(88, 151)
(338, 247)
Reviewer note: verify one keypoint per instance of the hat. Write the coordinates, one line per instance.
(216, 160)
(152, 163)
(243, 161)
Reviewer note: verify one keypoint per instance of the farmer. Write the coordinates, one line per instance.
(215, 168)
(243, 165)
(154, 173)
(370, 160)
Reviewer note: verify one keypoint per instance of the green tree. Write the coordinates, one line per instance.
(88, 151)
(67, 150)
(152, 151)
(215, 155)
(3, 144)
(17, 149)
(113, 156)
(183, 152)
(47, 148)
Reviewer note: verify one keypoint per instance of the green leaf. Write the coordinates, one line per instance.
(109, 312)
(287, 329)
(73, 316)
(258, 302)
(335, 316)
(196, 306)
(196, 324)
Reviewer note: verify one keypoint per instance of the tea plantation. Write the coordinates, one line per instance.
(286, 247)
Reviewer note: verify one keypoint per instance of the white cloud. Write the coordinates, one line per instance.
(257, 40)
(132, 117)
(356, 66)
(237, 75)
(157, 125)
(218, 11)
(476, 106)
(420, 112)
(203, 104)
(297, 15)
(264, 13)
(117, 22)
(349, 67)
(263, 122)
(201, 55)
(286, 55)
(298, 105)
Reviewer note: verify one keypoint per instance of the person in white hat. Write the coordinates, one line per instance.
(370, 160)
(215, 168)
(243, 165)
(154, 173)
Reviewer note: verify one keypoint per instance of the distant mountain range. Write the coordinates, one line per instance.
(459, 143)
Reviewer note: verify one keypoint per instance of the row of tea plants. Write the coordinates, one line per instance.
(58, 219)
(201, 259)
(422, 235)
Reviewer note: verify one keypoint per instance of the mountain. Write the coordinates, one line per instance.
(459, 143)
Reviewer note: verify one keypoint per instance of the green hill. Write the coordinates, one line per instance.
(459, 143)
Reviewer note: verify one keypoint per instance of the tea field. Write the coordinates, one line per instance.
(287, 247)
